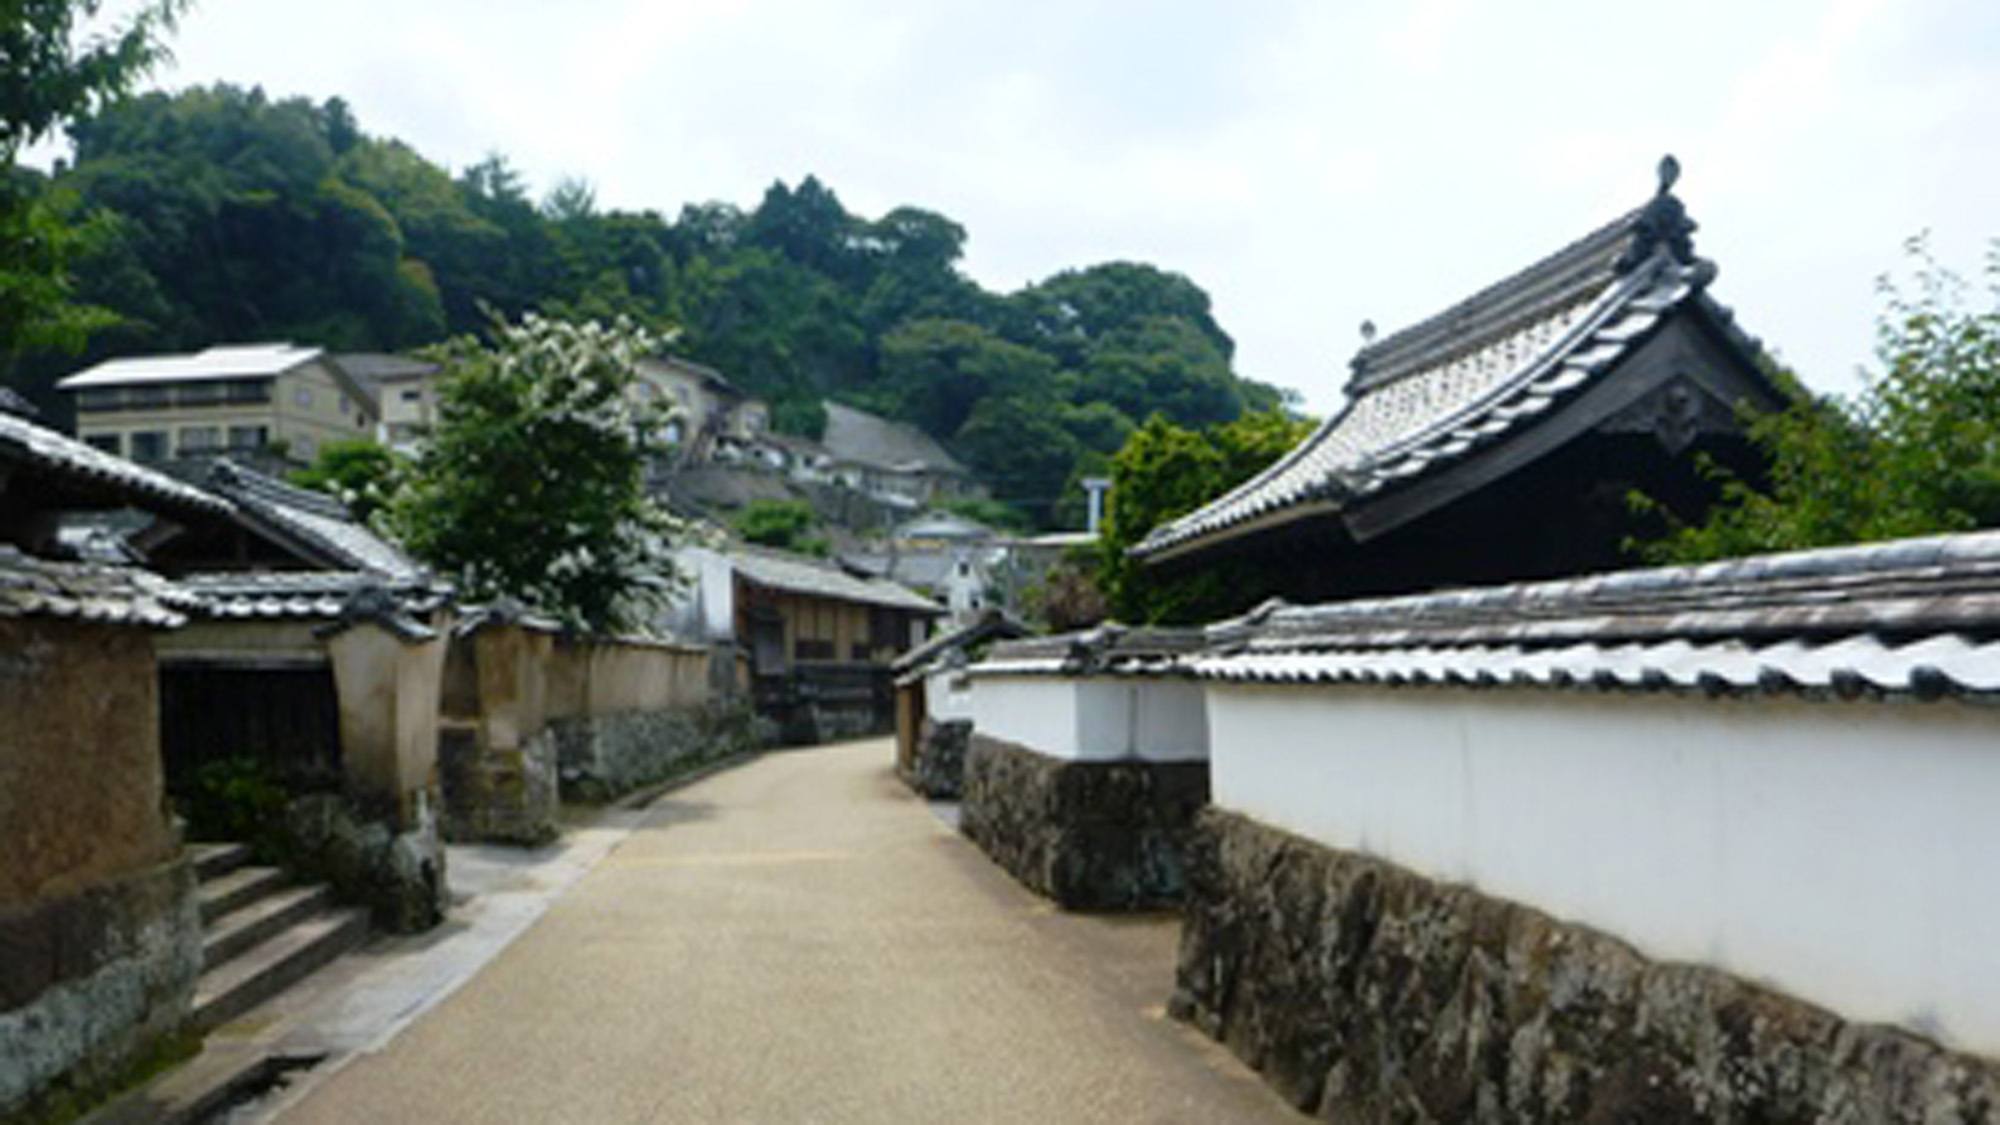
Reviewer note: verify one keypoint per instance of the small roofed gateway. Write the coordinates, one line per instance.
(1500, 439)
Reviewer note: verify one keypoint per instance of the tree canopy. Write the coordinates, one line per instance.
(49, 79)
(1917, 452)
(532, 486)
(238, 216)
(1166, 471)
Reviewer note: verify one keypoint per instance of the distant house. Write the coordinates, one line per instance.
(892, 460)
(712, 408)
(405, 388)
(244, 400)
(1500, 439)
(815, 642)
(949, 558)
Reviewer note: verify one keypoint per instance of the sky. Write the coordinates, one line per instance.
(1310, 163)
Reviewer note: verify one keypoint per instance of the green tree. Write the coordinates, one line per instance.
(1022, 454)
(1917, 452)
(781, 524)
(1166, 471)
(531, 487)
(49, 79)
(362, 474)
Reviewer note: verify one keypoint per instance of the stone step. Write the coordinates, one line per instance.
(213, 860)
(250, 925)
(272, 966)
(236, 889)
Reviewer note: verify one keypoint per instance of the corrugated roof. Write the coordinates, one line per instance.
(89, 592)
(1474, 375)
(799, 575)
(66, 460)
(1918, 617)
(231, 361)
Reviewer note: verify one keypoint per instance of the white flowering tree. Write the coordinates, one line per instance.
(531, 487)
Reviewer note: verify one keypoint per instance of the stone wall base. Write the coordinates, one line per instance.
(90, 980)
(498, 796)
(937, 768)
(1367, 993)
(604, 757)
(399, 876)
(1090, 835)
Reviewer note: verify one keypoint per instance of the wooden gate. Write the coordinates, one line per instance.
(286, 718)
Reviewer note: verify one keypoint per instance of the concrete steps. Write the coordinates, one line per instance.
(261, 933)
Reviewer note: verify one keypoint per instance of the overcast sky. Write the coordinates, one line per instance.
(1311, 163)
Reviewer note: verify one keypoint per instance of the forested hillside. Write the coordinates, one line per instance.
(224, 215)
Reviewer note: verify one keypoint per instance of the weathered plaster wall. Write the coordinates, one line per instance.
(288, 642)
(1090, 835)
(608, 677)
(80, 786)
(390, 691)
(1365, 992)
(1102, 718)
(1843, 852)
(99, 937)
(496, 757)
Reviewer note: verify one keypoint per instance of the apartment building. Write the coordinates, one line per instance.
(279, 400)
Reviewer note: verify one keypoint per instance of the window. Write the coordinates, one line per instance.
(805, 649)
(885, 628)
(102, 398)
(197, 394)
(249, 438)
(200, 439)
(303, 396)
(247, 390)
(145, 398)
(412, 395)
(859, 650)
(149, 445)
(109, 443)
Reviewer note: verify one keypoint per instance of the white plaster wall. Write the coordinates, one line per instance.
(1094, 719)
(703, 608)
(1843, 852)
(948, 694)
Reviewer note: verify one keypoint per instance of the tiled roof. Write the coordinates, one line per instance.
(1490, 366)
(233, 361)
(305, 594)
(991, 624)
(798, 575)
(315, 524)
(1917, 617)
(89, 592)
(1109, 649)
(68, 461)
(858, 436)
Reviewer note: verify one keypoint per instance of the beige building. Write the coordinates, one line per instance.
(242, 399)
(710, 406)
(405, 389)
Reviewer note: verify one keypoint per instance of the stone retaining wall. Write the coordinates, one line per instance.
(1367, 993)
(602, 757)
(1090, 835)
(937, 768)
(507, 796)
(90, 979)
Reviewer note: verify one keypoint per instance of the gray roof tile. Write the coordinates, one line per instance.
(799, 575)
(89, 592)
(45, 451)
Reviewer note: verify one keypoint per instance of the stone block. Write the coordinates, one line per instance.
(1367, 993)
(1090, 835)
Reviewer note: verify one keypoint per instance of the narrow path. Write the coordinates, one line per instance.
(801, 940)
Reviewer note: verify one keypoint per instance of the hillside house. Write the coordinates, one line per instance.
(276, 400)
(892, 461)
(814, 643)
(405, 388)
(1500, 439)
(712, 409)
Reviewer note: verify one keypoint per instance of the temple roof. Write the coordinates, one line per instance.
(1478, 373)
